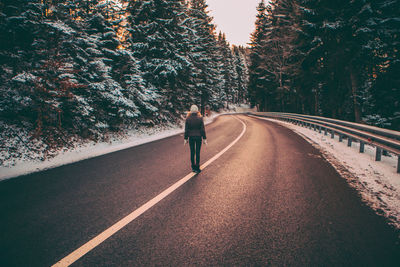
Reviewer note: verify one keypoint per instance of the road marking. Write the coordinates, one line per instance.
(208, 162)
(81, 251)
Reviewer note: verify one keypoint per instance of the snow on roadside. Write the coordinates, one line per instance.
(92, 149)
(377, 182)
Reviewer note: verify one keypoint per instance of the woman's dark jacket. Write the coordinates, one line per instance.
(194, 126)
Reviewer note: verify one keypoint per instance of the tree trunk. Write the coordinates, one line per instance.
(266, 106)
(202, 104)
(354, 90)
(316, 104)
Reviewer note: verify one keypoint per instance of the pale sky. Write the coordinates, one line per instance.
(235, 18)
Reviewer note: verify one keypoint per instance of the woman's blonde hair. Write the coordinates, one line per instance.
(194, 109)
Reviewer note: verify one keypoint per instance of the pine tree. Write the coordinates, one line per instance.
(106, 103)
(70, 64)
(310, 53)
(339, 56)
(261, 80)
(158, 40)
(279, 41)
(384, 104)
(325, 26)
(240, 63)
(228, 70)
(135, 90)
(204, 55)
(38, 91)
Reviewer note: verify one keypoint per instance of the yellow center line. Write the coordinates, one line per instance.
(94, 242)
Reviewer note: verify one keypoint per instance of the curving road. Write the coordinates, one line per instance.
(269, 200)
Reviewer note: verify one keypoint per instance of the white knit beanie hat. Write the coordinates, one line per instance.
(194, 108)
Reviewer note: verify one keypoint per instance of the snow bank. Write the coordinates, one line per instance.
(91, 149)
(377, 182)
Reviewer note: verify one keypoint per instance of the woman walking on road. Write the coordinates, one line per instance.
(195, 132)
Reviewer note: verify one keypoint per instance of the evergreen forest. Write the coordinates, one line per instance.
(338, 59)
(87, 70)
(76, 70)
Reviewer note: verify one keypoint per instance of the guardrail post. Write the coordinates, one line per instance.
(349, 141)
(378, 155)
(340, 137)
(315, 127)
(319, 129)
(332, 134)
(326, 131)
(362, 146)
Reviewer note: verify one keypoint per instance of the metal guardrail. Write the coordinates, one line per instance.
(382, 139)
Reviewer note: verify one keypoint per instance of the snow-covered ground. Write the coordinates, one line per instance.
(377, 182)
(92, 149)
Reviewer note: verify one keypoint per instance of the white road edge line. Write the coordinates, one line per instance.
(81, 251)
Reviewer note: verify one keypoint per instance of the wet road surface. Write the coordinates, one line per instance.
(270, 200)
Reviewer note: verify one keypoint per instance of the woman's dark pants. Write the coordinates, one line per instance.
(195, 146)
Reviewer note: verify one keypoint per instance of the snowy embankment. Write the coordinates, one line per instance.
(377, 182)
(92, 149)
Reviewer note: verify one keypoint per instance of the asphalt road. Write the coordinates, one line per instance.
(270, 200)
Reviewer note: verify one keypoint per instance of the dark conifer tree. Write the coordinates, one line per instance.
(309, 47)
(242, 80)
(228, 70)
(205, 58)
(158, 40)
(280, 43)
(261, 79)
(338, 55)
(383, 107)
